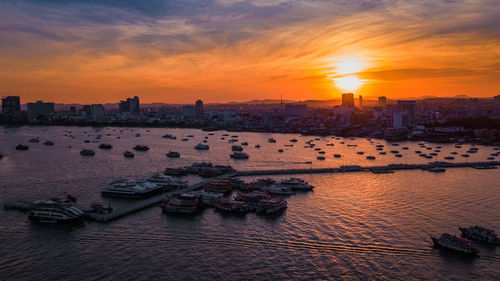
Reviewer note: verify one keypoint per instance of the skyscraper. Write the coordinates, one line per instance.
(39, 110)
(360, 101)
(409, 107)
(382, 101)
(11, 104)
(348, 99)
(199, 107)
(130, 105)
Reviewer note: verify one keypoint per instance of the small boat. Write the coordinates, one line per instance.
(297, 184)
(455, 243)
(173, 154)
(128, 154)
(454, 153)
(202, 146)
(405, 147)
(184, 139)
(257, 146)
(382, 153)
(465, 155)
(190, 136)
(87, 152)
(207, 198)
(271, 206)
(449, 158)
(484, 167)
(293, 140)
(490, 158)
(105, 146)
(141, 147)
(137, 135)
(236, 148)
(360, 152)
(169, 136)
(182, 204)
(279, 189)
(252, 198)
(321, 158)
(231, 206)
(244, 143)
(35, 139)
(175, 172)
(353, 145)
(280, 150)
(370, 157)
(482, 234)
(49, 143)
(271, 140)
(418, 151)
(337, 155)
(218, 186)
(437, 170)
(394, 151)
(399, 155)
(239, 155)
(321, 152)
(22, 147)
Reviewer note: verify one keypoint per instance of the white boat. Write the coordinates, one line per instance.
(55, 211)
(279, 189)
(297, 184)
(123, 188)
(455, 243)
(167, 181)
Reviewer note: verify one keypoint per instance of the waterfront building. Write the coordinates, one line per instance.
(189, 111)
(131, 105)
(295, 110)
(382, 101)
(39, 110)
(199, 107)
(97, 112)
(11, 104)
(408, 107)
(348, 99)
(360, 101)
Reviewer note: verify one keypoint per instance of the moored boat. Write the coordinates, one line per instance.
(271, 206)
(182, 204)
(141, 147)
(173, 154)
(128, 154)
(105, 146)
(239, 155)
(22, 147)
(55, 210)
(231, 206)
(202, 146)
(296, 184)
(87, 152)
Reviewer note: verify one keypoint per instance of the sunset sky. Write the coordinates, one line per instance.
(221, 50)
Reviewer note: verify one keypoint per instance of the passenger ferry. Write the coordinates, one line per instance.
(271, 206)
(55, 210)
(455, 243)
(297, 184)
(182, 204)
(480, 234)
(127, 189)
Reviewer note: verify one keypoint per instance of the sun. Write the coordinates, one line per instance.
(349, 83)
(344, 73)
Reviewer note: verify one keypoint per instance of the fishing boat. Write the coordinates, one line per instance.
(48, 143)
(56, 210)
(141, 148)
(271, 206)
(218, 186)
(105, 146)
(271, 140)
(479, 233)
(239, 155)
(297, 184)
(236, 148)
(173, 154)
(87, 152)
(175, 172)
(202, 146)
(182, 204)
(22, 147)
(231, 206)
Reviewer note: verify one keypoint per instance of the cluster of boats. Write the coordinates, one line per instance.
(203, 169)
(463, 244)
(253, 197)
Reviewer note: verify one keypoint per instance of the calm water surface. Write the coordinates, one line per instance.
(352, 226)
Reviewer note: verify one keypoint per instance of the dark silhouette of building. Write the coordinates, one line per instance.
(199, 107)
(39, 110)
(130, 105)
(382, 101)
(11, 104)
(408, 107)
(360, 101)
(348, 99)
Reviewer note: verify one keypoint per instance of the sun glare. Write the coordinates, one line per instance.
(345, 71)
(349, 83)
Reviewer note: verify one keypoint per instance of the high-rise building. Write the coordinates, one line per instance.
(348, 99)
(199, 107)
(97, 112)
(382, 101)
(409, 107)
(39, 110)
(360, 101)
(130, 105)
(11, 104)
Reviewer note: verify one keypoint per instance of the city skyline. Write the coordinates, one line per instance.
(222, 51)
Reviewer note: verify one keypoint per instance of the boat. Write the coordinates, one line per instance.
(128, 189)
(182, 204)
(279, 189)
(208, 198)
(297, 184)
(271, 206)
(184, 139)
(128, 154)
(22, 147)
(321, 158)
(244, 143)
(337, 155)
(218, 186)
(173, 154)
(105, 146)
(449, 158)
(1, 155)
(437, 170)
(252, 198)
(167, 182)
(169, 136)
(484, 167)
(490, 158)
(465, 155)
(141, 147)
(479, 233)
(231, 206)
(195, 168)
(236, 148)
(87, 152)
(35, 140)
(239, 155)
(399, 155)
(137, 135)
(293, 140)
(257, 146)
(382, 153)
(370, 157)
(360, 152)
(202, 146)
(353, 145)
(271, 140)
(382, 171)
(280, 150)
(175, 172)
(49, 143)
(55, 210)
(455, 243)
